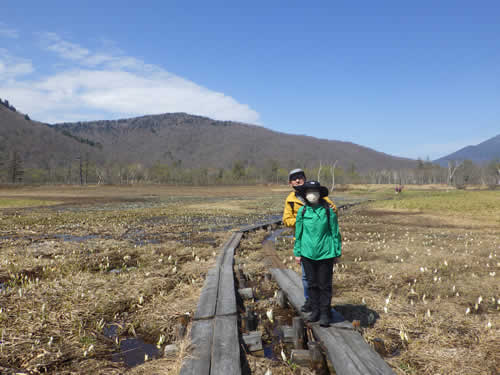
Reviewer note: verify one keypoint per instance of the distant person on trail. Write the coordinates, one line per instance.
(293, 202)
(317, 245)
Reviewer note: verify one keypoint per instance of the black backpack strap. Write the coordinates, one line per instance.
(327, 208)
(292, 204)
(304, 210)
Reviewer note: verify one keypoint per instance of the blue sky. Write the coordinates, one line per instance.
(412, 79)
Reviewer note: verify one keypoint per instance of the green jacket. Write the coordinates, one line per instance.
(313, 238)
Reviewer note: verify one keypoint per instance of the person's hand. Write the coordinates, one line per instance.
(297, 259)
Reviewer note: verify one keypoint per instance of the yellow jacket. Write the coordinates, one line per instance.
(292, 205)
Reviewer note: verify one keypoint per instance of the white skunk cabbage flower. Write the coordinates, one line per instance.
(269, 314)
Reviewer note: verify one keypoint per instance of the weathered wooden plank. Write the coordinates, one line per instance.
(229, 252)
(370, 358)
(198, 363)
(225, 348)
(349, 353)
(295, 278)
(232, 242)
(287, 284)
(226, 296)
(208, 297)
(345, 347)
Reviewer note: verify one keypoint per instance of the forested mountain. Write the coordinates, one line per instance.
(187, 149)
(482, 153)
(36, 144)
(194, 141)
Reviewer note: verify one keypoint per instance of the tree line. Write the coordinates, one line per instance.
(82, 169)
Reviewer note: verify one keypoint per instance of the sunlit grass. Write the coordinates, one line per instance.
(478, 204)
(21, 203)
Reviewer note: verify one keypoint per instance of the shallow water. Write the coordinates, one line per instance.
(132, 350)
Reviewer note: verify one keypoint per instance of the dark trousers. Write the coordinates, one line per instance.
(319, 274)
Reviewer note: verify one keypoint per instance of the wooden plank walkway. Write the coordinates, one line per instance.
(214, 332)
(345, 347)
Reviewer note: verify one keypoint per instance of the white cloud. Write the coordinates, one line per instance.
(8, 32)
(12, 67)
(64, 49)
(99, 85)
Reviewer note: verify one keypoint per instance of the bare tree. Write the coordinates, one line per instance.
(87, 169)
(452, 168)
(80, 165)
(333, 175)
(100, 173)
(68, 174)
(319, 171)
(16, 170)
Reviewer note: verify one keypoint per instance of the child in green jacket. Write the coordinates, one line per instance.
(317, 244)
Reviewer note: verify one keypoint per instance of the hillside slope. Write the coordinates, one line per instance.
(481, 153)
(38, 144)
(200, 141)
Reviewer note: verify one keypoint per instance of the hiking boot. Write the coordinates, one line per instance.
(324, 320)
(314, 317)
(306, 307)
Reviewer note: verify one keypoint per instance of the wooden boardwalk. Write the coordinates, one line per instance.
(214, 331)
(345, 347)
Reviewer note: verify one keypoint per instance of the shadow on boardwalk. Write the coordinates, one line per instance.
(367, 317)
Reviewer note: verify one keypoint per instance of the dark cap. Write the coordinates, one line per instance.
(312, 185)
(296, 173)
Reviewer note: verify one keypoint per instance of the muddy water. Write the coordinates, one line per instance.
(132, 350)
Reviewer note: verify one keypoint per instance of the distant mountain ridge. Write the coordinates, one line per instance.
(38, 144)
(479, 154)
(195, 141)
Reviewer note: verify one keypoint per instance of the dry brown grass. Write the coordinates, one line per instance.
(426, 276)
(67, 273)
(58, 291)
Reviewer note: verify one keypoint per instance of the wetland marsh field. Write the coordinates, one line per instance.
(95, 279)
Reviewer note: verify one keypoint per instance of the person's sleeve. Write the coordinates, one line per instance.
(332, 205)
(335, 230)
(288, 216)
(297, 248)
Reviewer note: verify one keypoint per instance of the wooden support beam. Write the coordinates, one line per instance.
(298, 328)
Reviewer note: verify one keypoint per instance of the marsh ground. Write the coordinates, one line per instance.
(83, 268)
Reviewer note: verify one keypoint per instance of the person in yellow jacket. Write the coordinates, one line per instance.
(293, 202)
